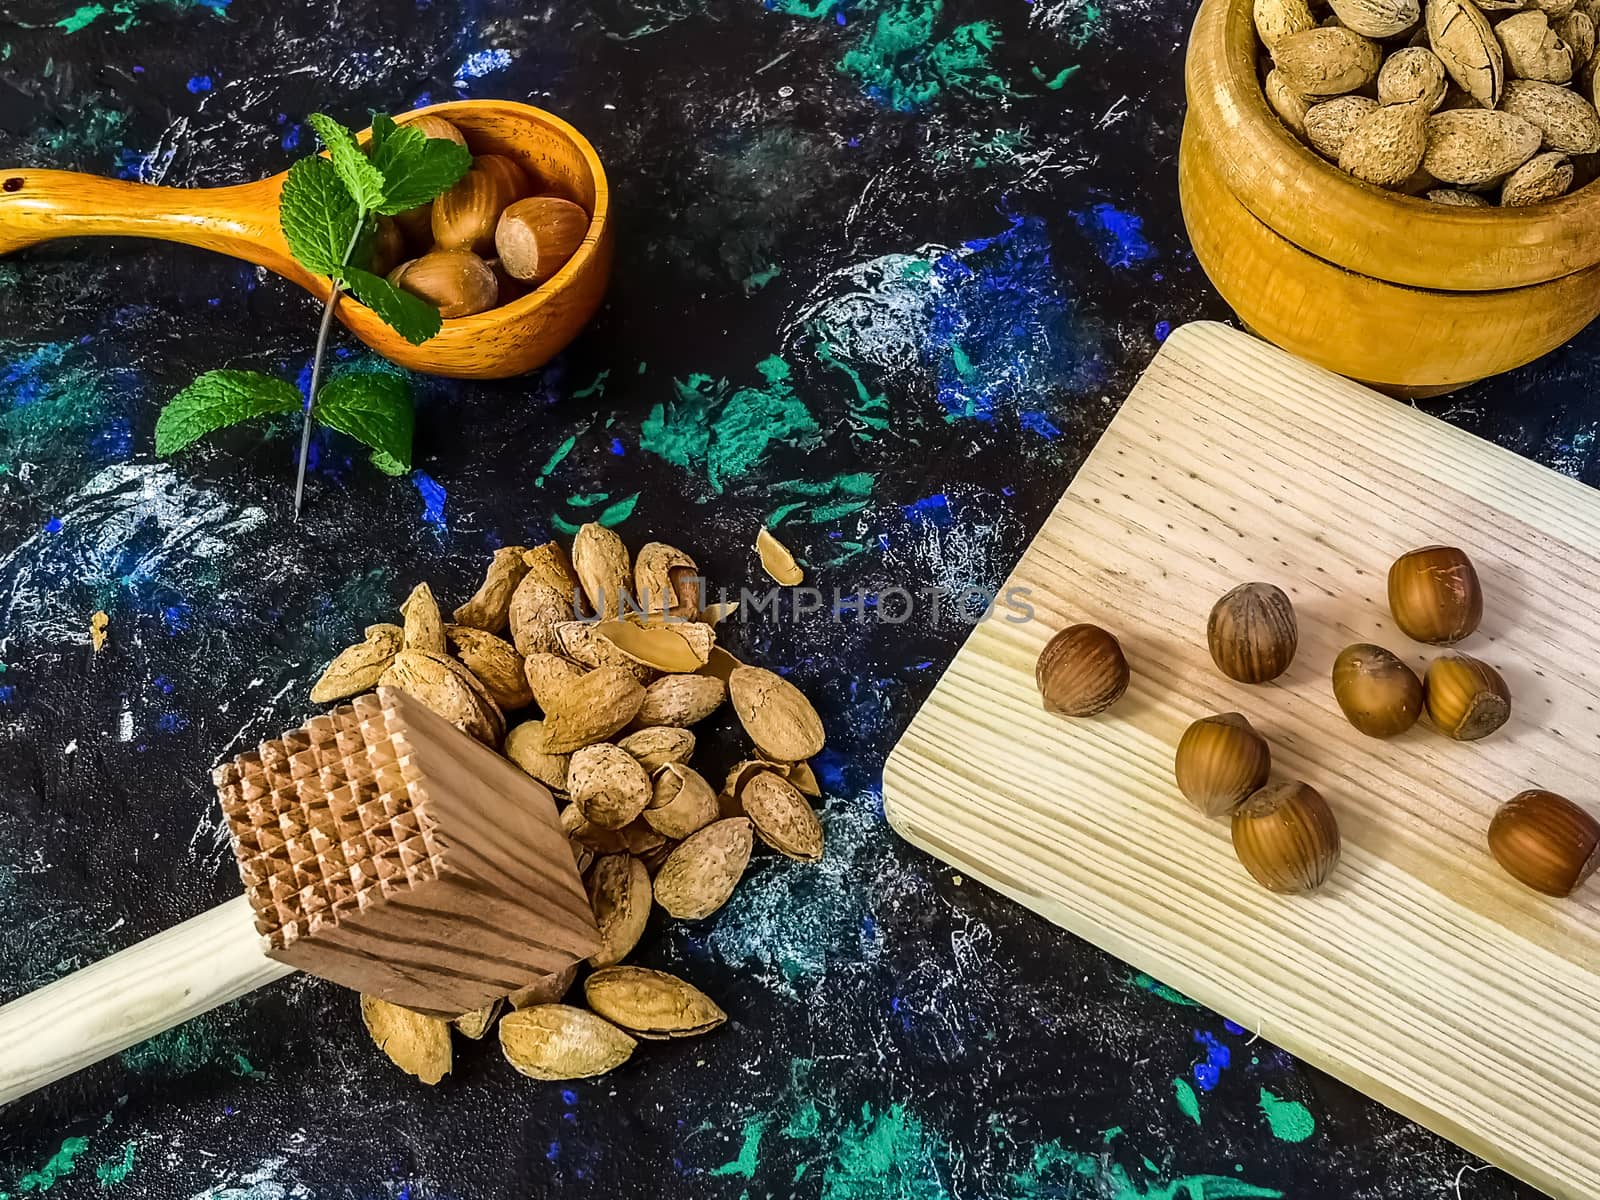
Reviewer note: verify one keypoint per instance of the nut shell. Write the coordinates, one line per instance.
(1546, 842)
(1434, 595)
(1377, 693)
(1252, 633)
(465, 216)
(456, 282)
(1220, 762)
(1466, 699)
(1286, 837)
(1081, 671)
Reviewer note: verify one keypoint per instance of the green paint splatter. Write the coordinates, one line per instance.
(54, 1171)
(588, 499)
(1056, 82)
(114, 1171)
(1056, 1171)
(245, 1069)
(186, 1048)
(806, 1122)
(54, 401)
(868, 411)
(726, 433)
(749, 1153)
(1289, 1120)
(840, 496)
(904, 65)
(1162, 991)
(886, 1156)
(554, 461)
(597, 388)
(757, 280)
(1188, 1102)
(82, 19)
(619, 512)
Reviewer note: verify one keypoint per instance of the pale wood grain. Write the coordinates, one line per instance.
(1420, 974)
(242, 221)
(122, 1000)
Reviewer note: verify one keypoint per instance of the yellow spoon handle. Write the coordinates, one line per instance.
(242, 221)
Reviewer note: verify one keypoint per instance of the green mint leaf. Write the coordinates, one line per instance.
(382, 126)
(318, 215)
(389, 465)
(416, 168)
(218, 399)
(360, 176)
(412, 318)
(374, 407)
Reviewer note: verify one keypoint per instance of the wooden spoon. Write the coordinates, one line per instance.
(37, 206)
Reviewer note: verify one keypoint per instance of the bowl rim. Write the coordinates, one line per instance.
(1354, 224)
(525, 305)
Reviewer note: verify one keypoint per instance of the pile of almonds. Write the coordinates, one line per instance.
(497, 234)
(1284, 834)
(617, 691)
(1466, 102)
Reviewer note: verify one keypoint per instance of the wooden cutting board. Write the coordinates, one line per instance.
(1420, 974)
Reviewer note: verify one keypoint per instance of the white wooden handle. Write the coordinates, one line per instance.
(131, 996)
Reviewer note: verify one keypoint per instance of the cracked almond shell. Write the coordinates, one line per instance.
(776, 714)
(490, 606)
(591, 709)
(524, 746)
(495, 662)
(619, 894)
(357, 669)
(418, 1044)
(657, 745)
(682, 802)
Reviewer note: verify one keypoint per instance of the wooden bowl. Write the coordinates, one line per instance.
(1396, 291)
(39, 205)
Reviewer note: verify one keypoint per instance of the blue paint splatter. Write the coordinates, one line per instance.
(617, 447)
(53, 525)
(1234, 1029)
(433, 498)
(171, 722)
(7, 694)
(1037, 422)
(164, 685)
(934, 509)
(484, 62)
(200, 84)
(175, 617)
(1001, 328)
(293, 136)
(115, 440)
(1218, 1057)
(1117, 236)
(1163, 330)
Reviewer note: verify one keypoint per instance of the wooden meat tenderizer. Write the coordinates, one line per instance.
(380, 848)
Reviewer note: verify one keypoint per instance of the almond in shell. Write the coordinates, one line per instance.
(666, 580)
(1411, 76)
(490, 606)
(424, 628)
(494, 661)
(1328, 61)
(657, 745)
(357, 669)
(1472, 146)
(1387, 146)
(1543, 177)
(1576, 29)
(601, 562)
(557, 1041)
(581, 832)
(681, 700)
(1456, 198)
(591, 709)
(525, 747)
(1277, 19)
(419, 1045)
(547, 595)
(776, 715)
(547, 989)
(619, 893)
(1532, 49)
(1378, 18)
(681, 802)
(1289, 104)
(607, 785)
(449, 689)
(1464, 41)
(700, 875)
(651, 1004)
(1329, 123)
(1565, 120)
(549, 674)
(783, 818)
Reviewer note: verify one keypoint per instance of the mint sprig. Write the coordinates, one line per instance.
(328, 212)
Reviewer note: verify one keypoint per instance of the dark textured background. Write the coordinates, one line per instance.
(875, 276)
